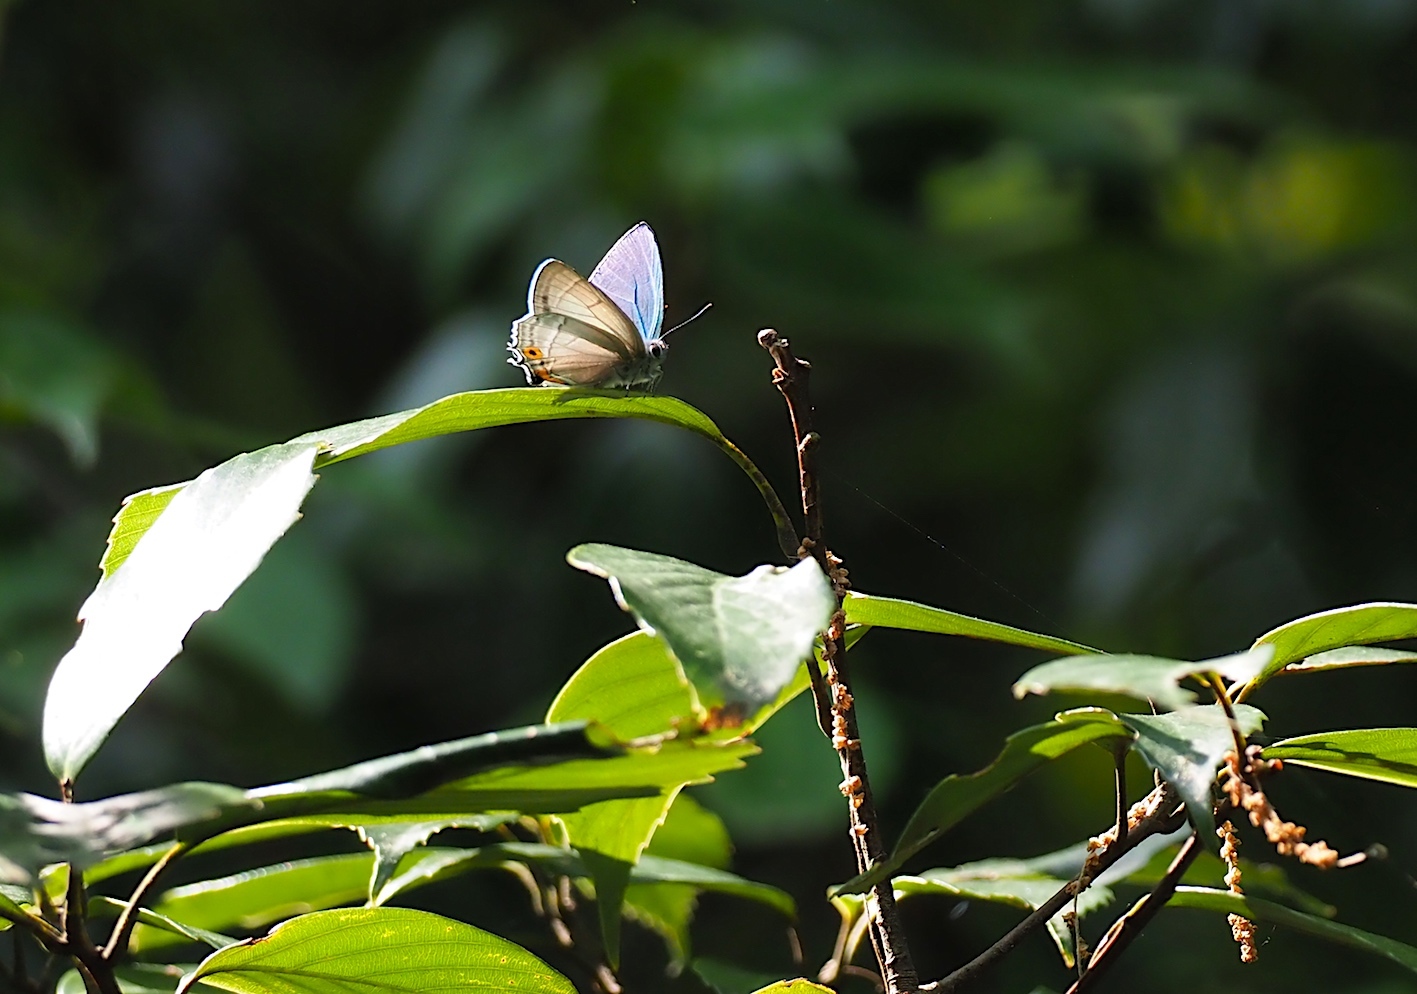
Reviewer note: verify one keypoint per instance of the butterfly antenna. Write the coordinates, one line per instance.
(697, 314)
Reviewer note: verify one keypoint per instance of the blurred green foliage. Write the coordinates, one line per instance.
(1111, 306)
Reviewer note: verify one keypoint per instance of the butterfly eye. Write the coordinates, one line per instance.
(656, 347)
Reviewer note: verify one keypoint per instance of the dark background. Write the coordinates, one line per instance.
(1111, 307)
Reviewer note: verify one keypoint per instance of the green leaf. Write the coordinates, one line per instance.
(11, 897)
(633, 687)
(468, 412)
(888, 612)
(258, 897)
(392, 841)
(1360, 624)
(1146, 678)
(639, 687)
(741, 639)
(1019, 883)
(1186, 748)
(1351, 655)
(1208, 870)
(435, 863)
(730, 978)
(1385, 754)
(956, 797)
(798, 986)
(377, 950)
(1255, 909)
(534, 770)
(158, 923)
(690, 834)
(209, 539)
(133, 978)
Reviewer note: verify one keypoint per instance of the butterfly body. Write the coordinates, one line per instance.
(597, 332)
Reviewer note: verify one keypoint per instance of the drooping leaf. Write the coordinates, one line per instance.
(436, 863)
(1146, 678)
(392, 841)
(36, 831)
(888, 612)
(151, 922)
(690, 834)
(11, 897)
(468, 412)
(208, 539)
(1018, 883)
(1256, 909)
(636, 683)
(377, 950)
(253, 898)
(1385, 754)
(1208, 870)
(740, 639)
(1186, 748)
(1359, 624)
(956, 797)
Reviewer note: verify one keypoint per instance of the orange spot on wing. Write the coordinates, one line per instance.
(532, 352)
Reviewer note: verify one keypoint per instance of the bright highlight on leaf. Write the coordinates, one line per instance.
(210, 537)
(739, 639)
(1385, 754)
(377, 951)
(1359, 624)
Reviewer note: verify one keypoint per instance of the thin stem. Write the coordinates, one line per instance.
(118, 941)
(835, 711)
(1129, 926)
(1166, 819)
(1120, 782)
(1222, 697)
(81, 947)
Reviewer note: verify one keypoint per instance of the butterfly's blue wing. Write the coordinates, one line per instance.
(632, 276)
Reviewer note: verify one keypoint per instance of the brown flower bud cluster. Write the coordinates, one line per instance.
(1241, 928)
(1144, 809)
(1286, 837)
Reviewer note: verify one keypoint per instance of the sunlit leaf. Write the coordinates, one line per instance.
(1385, 754)
(1360, 624)
(740, 639)
(1186, 748)
(956, 797)
(798, 986)
(1255, 909)
(630, 681)
(1146, 678)
(534, 770)
(209, 538)
(152, 922)
(632, 687)
(377, 950)
(888, 612)
(468, 412)
(253, 898)
(1352, 655)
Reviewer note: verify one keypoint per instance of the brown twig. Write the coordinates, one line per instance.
(118, 941)
(1129, 926)
(1165, 818)
(835, 713)
(95, 970)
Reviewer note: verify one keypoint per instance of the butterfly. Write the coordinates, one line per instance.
(597, 332)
